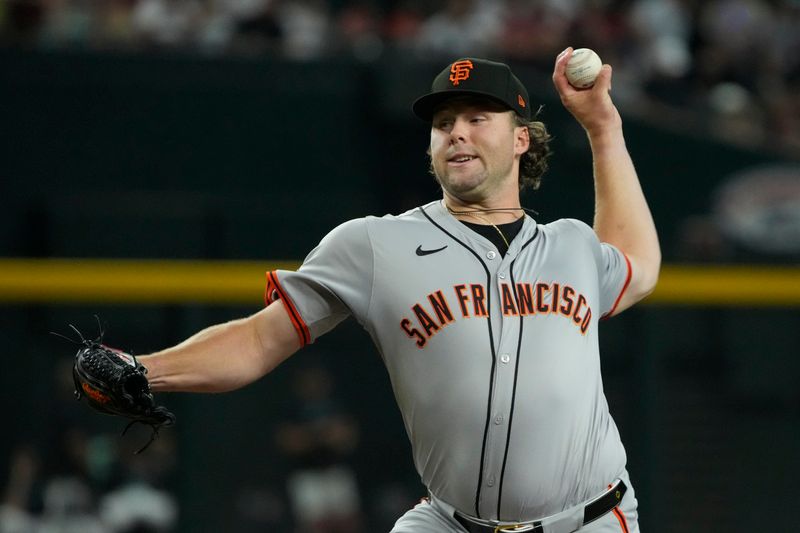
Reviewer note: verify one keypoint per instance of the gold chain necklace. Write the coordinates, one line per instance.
(475, 214)
(502, 236)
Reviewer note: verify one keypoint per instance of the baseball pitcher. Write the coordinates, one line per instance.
(486, 320)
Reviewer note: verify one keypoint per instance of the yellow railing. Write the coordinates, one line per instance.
(235, 282)
(728, 286)
(134, 281)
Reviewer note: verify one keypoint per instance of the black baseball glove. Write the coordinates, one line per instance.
(115, 383)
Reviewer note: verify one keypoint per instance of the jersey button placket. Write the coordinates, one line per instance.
(506, 337)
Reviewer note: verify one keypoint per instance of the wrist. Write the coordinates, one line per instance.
(606, 136)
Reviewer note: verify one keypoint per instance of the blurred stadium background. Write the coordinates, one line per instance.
(158, 156)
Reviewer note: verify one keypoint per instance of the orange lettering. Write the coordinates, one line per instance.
(541, 305)
(462, 299)
(441, 308)
(509, 309)
(581, 301)
(413, 333)
(477, 300)
(425, 320)
(554, 301)
(525, 299)
(567, 301)
(586, 320)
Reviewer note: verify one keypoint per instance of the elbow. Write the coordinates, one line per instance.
(649, 285)
(645, 273)
(649, 278)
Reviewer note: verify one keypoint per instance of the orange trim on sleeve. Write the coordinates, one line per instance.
(624, 288)
(274, 291)
(621, 517)
(270, 292)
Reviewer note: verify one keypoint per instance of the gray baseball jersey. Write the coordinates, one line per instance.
(493, 359)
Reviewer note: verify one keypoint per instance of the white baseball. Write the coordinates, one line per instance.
(583, 68)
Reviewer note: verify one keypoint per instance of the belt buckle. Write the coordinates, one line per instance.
(514, 528)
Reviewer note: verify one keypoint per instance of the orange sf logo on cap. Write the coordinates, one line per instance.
(520, 100)
(460, 71)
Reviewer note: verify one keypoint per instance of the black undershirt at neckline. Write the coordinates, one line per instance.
(510, 231)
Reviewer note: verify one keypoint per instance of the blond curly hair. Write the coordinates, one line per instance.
(533, 163)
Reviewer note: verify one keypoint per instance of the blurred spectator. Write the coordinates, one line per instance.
(737, 30)
(22, 20)
(780, 83)
(461, 28)
(115, 25)
(166, 23)
(359, 30)
(67, 23)
(403, 22)
(18, 499)
(603, 26)
(87, 481)
(239, 27)
(69, 507)
(256, 29)
(138, 508)
(68, 503)
(139, 500)
(785, 41)
(535, 31)
(306, 28)
(732, 66)
(257, 509)
(662, 30)
(319, 441)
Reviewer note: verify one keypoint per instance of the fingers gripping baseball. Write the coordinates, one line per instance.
(592, 107)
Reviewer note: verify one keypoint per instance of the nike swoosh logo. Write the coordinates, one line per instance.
(421, 252)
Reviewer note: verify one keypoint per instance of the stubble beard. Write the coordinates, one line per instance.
(471, 188)
(461, 188)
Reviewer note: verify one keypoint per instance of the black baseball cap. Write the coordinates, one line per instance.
(478, 77)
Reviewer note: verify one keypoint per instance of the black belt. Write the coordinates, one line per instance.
(591, 512)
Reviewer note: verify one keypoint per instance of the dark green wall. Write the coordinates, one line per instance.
(259, 158)
(136, 156)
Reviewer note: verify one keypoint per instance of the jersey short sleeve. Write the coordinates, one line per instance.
(613, 268)
(334, 282)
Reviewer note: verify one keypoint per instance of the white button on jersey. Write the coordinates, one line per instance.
(505, 358)
(498, 419)
(491, 255)
(490, 482)
(501, 275)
